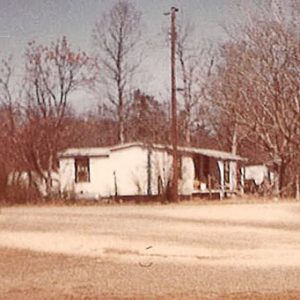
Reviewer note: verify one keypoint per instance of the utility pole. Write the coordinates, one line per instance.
(174, 133)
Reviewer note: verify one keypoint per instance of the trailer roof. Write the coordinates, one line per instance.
(106, 151)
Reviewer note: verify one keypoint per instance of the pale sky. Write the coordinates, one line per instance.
(46, 20)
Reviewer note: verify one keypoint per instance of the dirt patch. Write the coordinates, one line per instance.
(31, 275)
(167, 252)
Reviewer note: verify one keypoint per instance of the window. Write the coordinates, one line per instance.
(82, 169)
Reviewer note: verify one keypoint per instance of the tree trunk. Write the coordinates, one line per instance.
(281, 178)
(280, 169)
(187, 131)
(121, 129)
(297, 196)
(233, 165)
(234, 141)
(121, 136)
(3, 181)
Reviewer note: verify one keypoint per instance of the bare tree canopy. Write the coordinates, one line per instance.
(194, 62)
(52, 74)
(115, 38)
(8, 158)
(257, 88)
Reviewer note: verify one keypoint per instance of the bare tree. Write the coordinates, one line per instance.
(116, 37)
(188, 64)
(52, 74)
(194, 66)
(258, 86)
(6, 98)
(9, 160)
(223, 118)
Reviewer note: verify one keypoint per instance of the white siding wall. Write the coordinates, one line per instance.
(100, 182)
(67, 174)
(162, 166)
(258, 173)
(128, 164)
(233, 175)
(130, 168)
(186, 185)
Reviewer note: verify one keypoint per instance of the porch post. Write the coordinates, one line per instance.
(222, 179)
(242, 179)
(232, 175)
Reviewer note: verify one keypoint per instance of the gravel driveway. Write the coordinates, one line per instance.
(169, 251)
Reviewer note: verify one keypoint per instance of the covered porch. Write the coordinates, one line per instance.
(216, 173)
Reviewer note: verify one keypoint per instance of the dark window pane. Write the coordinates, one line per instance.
(82, 169)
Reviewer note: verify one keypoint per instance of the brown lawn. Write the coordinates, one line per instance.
(248, 251)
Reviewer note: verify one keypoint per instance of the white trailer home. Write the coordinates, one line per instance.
(138, 169)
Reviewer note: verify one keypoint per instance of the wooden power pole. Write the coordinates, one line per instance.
(174, 133)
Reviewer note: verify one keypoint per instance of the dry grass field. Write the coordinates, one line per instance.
(178, 251)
